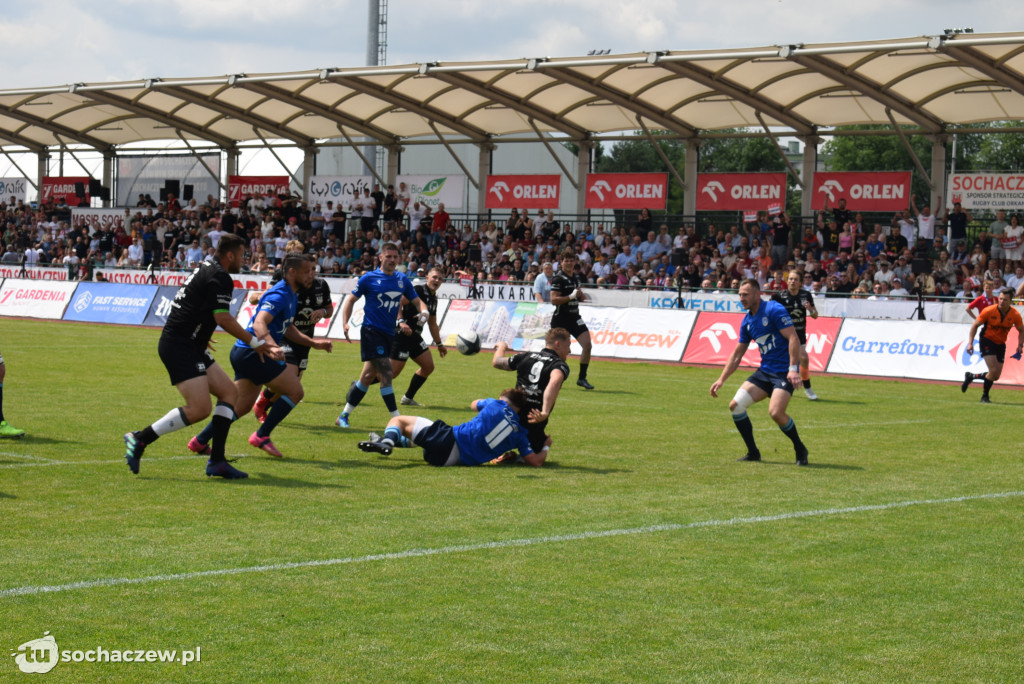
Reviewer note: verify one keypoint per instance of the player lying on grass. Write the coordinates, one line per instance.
(493, 431)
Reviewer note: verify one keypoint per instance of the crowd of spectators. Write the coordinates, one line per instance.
(839, 253)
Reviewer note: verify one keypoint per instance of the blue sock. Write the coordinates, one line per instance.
(393, 435)
(388, 394)
(281, 408)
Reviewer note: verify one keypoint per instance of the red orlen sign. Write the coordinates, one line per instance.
(257, 186)
(884, 191)
(523, 192)
(55, 187)
(627, 191)
(740, 191)
(715, 336)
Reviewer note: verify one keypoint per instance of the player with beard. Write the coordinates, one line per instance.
(409, 342)
(566, 295)
(799, 303)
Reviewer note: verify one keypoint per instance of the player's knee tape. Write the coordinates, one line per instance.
(743, 401)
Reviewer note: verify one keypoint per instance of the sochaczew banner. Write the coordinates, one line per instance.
(523, 191)
(337, 189)
(13, 187)
(449, 190)
(740, 191)
(715, 336)
(55, 187)
(34, 272)
(886, 191)
(257, 186)
(991, 191)
(626, 191)
(35, 298)
(914, 349)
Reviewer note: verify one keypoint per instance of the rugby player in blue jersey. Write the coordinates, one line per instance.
(382, 291)
(771, 328)
(493, 431)
(272, 321)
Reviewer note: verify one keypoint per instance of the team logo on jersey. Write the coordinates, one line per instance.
(764, 320)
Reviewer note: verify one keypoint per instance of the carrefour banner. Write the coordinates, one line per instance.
(337, 189)
(740, 191)
(715, 336)
(913, 349)
(626, 191)
(13, 188)
(434, 190)
(992, 191)
(523, 192)
(889, 191)
(146, 174)
(110, 303)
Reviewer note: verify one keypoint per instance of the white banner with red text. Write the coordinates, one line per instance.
(35, 298)
(239, 187)
(740, 191)
(57, 187)
(627, 191)
(882, 191)
(986, 191)
(716, 335)
(523, 191)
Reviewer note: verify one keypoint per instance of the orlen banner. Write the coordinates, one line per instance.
(240, 186)
(715, 336)
(337, 189)
(914, 349)
(13, 187)
(888, 191)
(35, 298)
(626, 191)
(55, 187)
(434, 190)
(740, 191)
(987, 190)
(523, 192)
(110, 303)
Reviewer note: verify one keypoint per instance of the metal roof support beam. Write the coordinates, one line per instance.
(362, 157)
(661, 153)
(622, 100)
(451, 151)
(14, 164)
(314, 107)
(41, 170)
(155, 114)
(910, 150)
(980, 62)
(278, 157)
(64, 148)
(485, 164)
(810, 168)
(240, 114)
(554, 156)
(56, 129)
(782, 153)
(394, 157)
(773, 109)
(108, 177)
(583, 162)
(938, 172)
(868, 89)
(199, 158)
(690, 172)
(31, 145)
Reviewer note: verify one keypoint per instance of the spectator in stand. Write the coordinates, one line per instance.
(985, 299)
(135, 253)
(1013, 244)
(898, 290)
(943, 270)
(996, 230)
(884, 275)
(957, 222)
(650, 249)
(1015, 279)
(925, 218)
(440, 224)
(873, 247)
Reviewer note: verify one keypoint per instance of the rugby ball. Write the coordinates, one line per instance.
(467, 342)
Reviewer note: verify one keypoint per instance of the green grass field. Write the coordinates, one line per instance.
(643, 552)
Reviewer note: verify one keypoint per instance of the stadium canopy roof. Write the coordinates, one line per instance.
(925, 84)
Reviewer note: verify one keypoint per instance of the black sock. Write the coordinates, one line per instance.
(267, 394)
(807, 383)
(583, 370)
(988, 386)
(414, 385)
(148, 435)
(355, 394)
(223, 416)
(1, 401)
(746, 429)
(790, 431)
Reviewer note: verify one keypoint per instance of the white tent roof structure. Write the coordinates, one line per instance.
(924, 84)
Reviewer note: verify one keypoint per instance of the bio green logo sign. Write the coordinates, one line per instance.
(432, 188)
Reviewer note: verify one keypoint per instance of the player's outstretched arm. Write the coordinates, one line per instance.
(534, 459)
(298, 337)
(499, 360)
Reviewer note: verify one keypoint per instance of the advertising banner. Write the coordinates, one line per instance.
(34, 272)
(247, 281)
(13, 187)
(523, 191)
(257, 186)
(991, 191)
(146, 174)
(56, 187)
(105, 218)
(627, 191)
(914, 349)
(110, 303)
(715, 336)
(884, 191)
(35, 298)
(740, 191)
(434, 190)
(337, 189)
(161, 307)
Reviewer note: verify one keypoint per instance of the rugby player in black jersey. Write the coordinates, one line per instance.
(799, 303)
(566, 295)
(409, 342)
(200, 305)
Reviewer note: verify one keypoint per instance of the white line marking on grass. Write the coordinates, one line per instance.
(887, 422)
(42, 462)
(483, 546)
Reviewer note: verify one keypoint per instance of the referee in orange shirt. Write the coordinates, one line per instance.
(995, 322)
